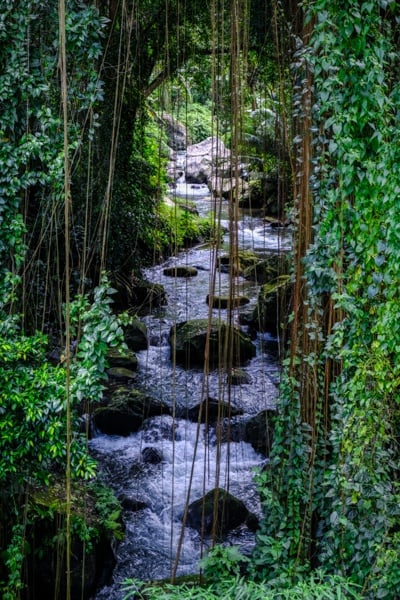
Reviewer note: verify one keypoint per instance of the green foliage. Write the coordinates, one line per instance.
(33, 396)
(178, 228)
(138, 192)
(316, 587)
(222, 561)
(284, 492)
(357, 239)
(31, 132)
(13, 559)
(33, 392)
(99, 329)
(108, 510)
(199, 122)
(32, 403)
(331, 494)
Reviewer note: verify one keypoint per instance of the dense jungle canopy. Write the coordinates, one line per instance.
(306, 99)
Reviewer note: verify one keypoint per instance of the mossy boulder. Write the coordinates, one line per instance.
(180, 271)
(122, 358)
(239, 377)
(263, 193)
(189, 339)
(273, 306)
(136, 294)
(259, 431)
(268, 269)
(219, 509)
(95, 523)
(223, 302)
(121, 374)
(135, 335)
(243, 260)
(126, 410)
(212, 410)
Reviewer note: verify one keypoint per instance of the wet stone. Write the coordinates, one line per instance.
(180, 271)
(151, 455)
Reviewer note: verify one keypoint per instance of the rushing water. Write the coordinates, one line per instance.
(192, 462)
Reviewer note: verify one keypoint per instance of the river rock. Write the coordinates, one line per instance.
(231, 430)
(131, 504)
(135, 335)
(43, 569)
(180, 271)
(121, 374)
(146, 296)
(134, 293)
(230, 512)
(262, 193)
(202, 159)
(239, 377)
(120, 358)
(273, 306)
(212, 410)
(126, 410)
(229, 189)
(151, 455)
(188, 341)
(244, 259)
(268, 269)
(223, 302)
(259, 431)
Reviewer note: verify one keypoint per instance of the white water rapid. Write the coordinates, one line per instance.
(190, 455)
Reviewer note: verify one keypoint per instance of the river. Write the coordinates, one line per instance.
(194, 459)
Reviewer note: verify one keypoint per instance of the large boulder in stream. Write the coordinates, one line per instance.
(189, 339)
(135, 335)
(263, 193)
(268, 268)
(219, 509)
(118, 358)
(273, 306)
(136, 294)
(225, 302)
(212, 410)
(180, 271)
(244, 259)
(204, 159)
(126, 410)
(259, 431)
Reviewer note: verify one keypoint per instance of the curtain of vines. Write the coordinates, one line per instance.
(34, 245)
(356, 261)
(331, 496)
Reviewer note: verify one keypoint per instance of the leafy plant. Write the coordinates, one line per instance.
(222, 561)
(317, 587)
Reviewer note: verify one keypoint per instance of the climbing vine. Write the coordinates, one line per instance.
(358, 243)
(332, 487)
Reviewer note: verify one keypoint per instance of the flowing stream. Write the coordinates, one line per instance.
(192, 459)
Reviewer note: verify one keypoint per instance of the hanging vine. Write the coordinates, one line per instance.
(331, 494)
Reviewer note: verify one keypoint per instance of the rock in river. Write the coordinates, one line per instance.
(126, 411)
(220, 509)
(189, 340)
